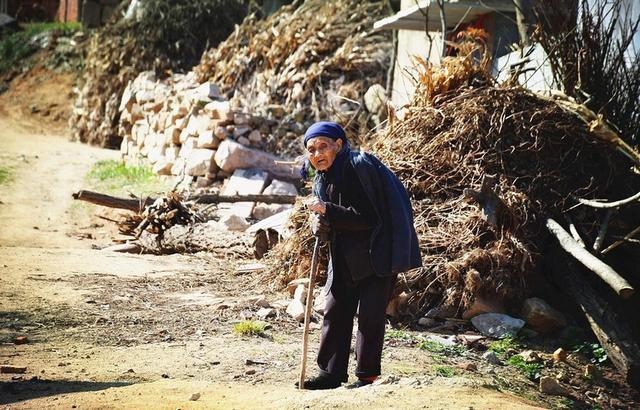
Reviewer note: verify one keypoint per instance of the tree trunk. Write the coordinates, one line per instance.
(613, 334)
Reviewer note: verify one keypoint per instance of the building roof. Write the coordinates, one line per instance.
(456, 12)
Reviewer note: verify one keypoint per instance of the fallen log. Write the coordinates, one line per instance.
(610, 276)
(197, 237)
(613, 334)
(137, 205)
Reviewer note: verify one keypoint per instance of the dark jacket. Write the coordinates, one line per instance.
(370, 216)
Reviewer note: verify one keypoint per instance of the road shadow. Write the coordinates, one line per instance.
(20, 390)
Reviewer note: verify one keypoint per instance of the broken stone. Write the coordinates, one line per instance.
(549, 385)
(560, 355)
(219, 110)
(162, 167)
(541, 317)
(244, 141)
(198, 124)
(262, 302)
(250, 372)
(530, 356)
(300, 294)
(491, 357)
(199, 162)
(427, 322)
(171, 153)
(232, 155)
(497, 325)
(292, 286)
(172, 135)
(264, 313)
(208, 139)
(441, 312)
(194, 397)
(234, 223)
(468, 366)
(263, 211)
(296, 310)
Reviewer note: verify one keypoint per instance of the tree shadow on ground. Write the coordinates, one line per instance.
(16, 391)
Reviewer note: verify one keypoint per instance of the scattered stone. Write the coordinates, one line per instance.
(296, 310)
(562, 376)
(319, 303)
(560, 355)
(301, 294)
(250, 362)
(264, 313)
(427, 322)
(497, 325)
(194, 396)
(244, 141)
(263, 302)
(468, 366)
(530, 356)
(291, 286)
(255, 136)
(441, 312)
(12, 369)
(470, 339)
(491, 357)
(375, 98)
(250, 372)
(549, 385)
(541, 317)
(20, 340)
(388, 379)
(234, 223)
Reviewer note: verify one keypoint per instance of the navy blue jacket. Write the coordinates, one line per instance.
(392, 245)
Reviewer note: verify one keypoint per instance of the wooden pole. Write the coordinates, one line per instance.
(610, 276)
(307, 312)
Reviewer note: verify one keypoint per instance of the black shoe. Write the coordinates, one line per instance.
(359, 383)
(320, 383)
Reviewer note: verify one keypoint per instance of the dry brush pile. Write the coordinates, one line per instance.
(313, 61)
(460, 128)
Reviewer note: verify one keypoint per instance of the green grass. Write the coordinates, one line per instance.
(249, 328)
(6, 175)
(434, 346)
(444, 371)
(396, 334)
(117, 178)
(501, 346)
(593, 351)
(532, 371)
(16, 47)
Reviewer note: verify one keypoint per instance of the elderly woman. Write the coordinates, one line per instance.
(368, 213)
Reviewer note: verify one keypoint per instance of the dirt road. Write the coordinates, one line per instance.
(110, 330)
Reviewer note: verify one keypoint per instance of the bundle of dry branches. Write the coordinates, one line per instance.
(460, 128)
(316, 60)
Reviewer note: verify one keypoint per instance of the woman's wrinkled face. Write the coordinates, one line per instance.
(322, 151)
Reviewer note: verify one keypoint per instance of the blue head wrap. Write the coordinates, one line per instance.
(327, 129)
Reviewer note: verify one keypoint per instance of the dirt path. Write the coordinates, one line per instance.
(137, 331)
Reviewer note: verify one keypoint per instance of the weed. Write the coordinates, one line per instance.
(249, 328)
(5, 175)
(565, 403)
(397, 334)
(532, 371)
(593, 351)
(440, 348)
(502, 345)
(117, 177)
(444, 371)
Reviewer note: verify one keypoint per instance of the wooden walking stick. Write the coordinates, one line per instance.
(320, 237)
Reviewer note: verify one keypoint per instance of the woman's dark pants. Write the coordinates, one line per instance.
(342, 301)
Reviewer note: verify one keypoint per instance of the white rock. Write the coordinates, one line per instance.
(221, 133)
(199, 161)
(497, 325)
(319, 302)
(172, 135)
(219, 110)
(178, 166)
(127, 99)
(231, 155)
(264, 313)
(263, 211)
(293, 285)
(205, 92)
(300, 294)
(296, 310)
(155, 154)
(199, 124)
(277, 187)
(184, 134)
(162, 167)
(208, 139)
(234, 223)
(240, 118)
(171, 153)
